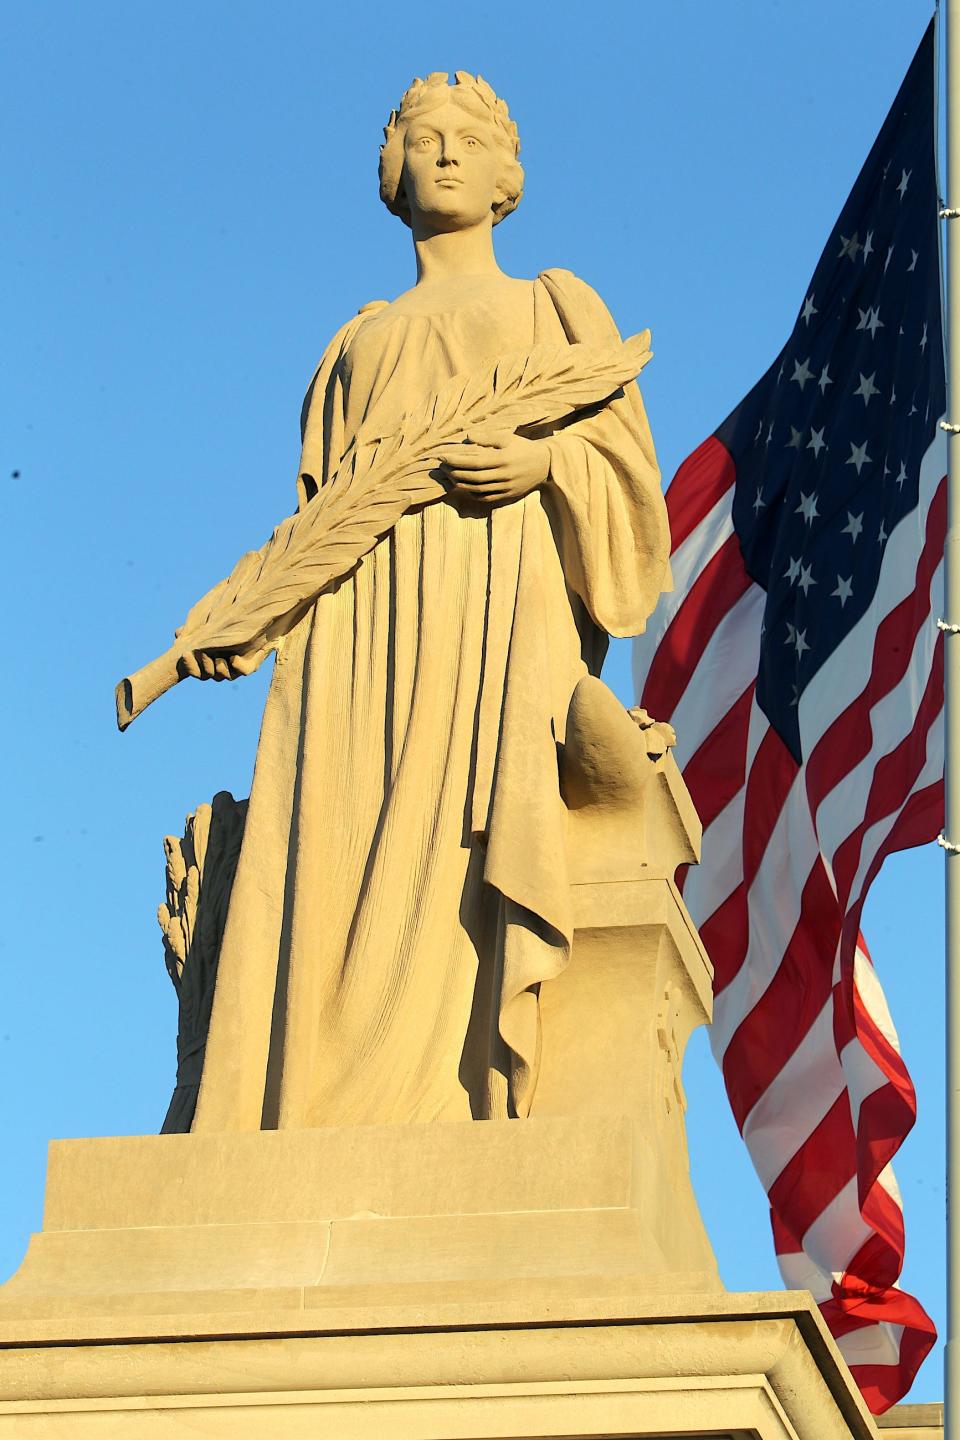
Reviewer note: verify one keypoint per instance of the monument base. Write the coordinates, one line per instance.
(360, 1217)
(496, 1279)
(741, 1367)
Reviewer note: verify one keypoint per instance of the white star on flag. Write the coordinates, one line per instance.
(802, 373)
(808, 507)
(870, 320)
(859, 456)
(866, 389)
(854, 524)
(844, 590)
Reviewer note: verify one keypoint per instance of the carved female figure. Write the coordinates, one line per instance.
(402, 885)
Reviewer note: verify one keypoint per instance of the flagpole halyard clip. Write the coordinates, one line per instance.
(947, 845)
(949, 426)
(949, 212)
(948, 627)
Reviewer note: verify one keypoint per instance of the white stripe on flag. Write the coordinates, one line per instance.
(728, 667)
(873, 1345)
(792, 1106)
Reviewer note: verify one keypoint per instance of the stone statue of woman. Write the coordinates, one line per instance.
(402, 887)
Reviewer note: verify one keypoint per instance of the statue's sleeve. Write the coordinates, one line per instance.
(321, 416)
(605, 500)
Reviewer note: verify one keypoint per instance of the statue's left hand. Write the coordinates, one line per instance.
(496, 468)
(201, 666)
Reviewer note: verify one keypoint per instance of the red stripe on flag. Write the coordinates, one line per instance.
(880, 1050)
(716, 589)
(726, 932)
(819, 1170)
(724, 936)
(848, 739)
(880, 1260)
(771, 776)
(919, 822)
(883, 1385)
(894, 776)
(855, 1308)
(697, 486)
(784, 1240)
(801, 986)
(886, 1118)
(716, 772)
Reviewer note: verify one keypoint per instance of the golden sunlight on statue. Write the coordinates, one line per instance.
(479, 509)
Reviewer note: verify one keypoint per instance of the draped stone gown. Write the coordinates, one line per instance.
(402, 886)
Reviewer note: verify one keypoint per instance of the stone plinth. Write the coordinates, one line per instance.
(302, 1220)
(594, 1187)
(501, 1279)
(746, 1367)
(912, 1422)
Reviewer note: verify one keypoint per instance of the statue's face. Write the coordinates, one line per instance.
(451, 168)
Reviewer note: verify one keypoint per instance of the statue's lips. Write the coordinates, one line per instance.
(448, 180)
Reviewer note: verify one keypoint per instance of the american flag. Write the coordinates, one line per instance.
(798, 659)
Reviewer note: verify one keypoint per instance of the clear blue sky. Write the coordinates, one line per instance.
(190, 210)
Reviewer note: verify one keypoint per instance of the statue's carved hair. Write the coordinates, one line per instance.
(473, 92)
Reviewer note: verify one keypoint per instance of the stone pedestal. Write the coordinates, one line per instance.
(545, 1277)
(746, 1367)
(500, 1279)
(301, 1221)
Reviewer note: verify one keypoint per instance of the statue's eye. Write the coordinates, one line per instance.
(471, 142)
(424, 142)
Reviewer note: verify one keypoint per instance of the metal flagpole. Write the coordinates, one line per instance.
(951, 627)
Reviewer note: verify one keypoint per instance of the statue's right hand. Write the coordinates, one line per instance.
(201, 666)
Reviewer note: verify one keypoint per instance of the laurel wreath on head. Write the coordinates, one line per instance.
(475, 84)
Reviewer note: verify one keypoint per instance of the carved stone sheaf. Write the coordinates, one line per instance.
(200, 869)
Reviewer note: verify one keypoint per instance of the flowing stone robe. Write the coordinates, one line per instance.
(402, 886)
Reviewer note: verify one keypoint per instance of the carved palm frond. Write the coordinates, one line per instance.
(379, 479)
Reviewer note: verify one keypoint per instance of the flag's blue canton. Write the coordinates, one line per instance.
(828, 445)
